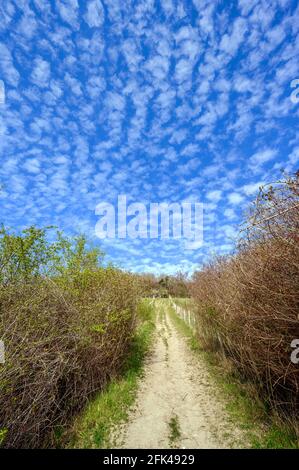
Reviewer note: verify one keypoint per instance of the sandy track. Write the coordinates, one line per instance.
(176, 385)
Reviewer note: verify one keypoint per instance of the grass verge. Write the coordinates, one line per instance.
(184, 302)
(262, 428)
(174, 429)
(94, 427)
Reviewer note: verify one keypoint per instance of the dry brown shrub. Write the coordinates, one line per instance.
(64, 340)
(248, 303)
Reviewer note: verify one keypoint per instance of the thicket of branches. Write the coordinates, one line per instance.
(66, 322)
(164, 286)
(248, 303)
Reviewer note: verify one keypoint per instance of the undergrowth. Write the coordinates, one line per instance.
(98, 425)
(263, 428)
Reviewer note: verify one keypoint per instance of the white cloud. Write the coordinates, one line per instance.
(293, 158)
(235, 198)
(68, 10)
(214, 195)
(252, 188)
(264, 156)
(40, 75)
(158, 108)
(183, 70)
(32, 165)
(94, 16)
(231, 43)
(230, 214)
(7, 67)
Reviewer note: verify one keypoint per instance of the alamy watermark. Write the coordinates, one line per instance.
(154, 220)
(295, 93)
(295, 353)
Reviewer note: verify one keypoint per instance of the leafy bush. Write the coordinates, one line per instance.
(66, 323)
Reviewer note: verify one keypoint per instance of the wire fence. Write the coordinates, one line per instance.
(185, 313)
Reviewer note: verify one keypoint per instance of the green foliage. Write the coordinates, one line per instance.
(75, 255)
(98, 328)
(3, 433)
(174, 429)
(24, 255)
(30, 253)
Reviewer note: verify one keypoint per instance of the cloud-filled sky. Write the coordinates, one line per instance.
(160, 100)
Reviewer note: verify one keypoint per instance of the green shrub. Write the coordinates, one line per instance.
(66, 323)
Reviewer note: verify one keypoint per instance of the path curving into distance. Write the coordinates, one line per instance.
(177, 405)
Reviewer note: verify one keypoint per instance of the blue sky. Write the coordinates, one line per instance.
(163, 101)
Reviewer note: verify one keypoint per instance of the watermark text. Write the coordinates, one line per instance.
(155, 220)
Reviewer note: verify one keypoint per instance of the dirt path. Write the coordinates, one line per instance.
(176, 404)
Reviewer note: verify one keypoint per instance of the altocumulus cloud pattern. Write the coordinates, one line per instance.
(160, 100)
